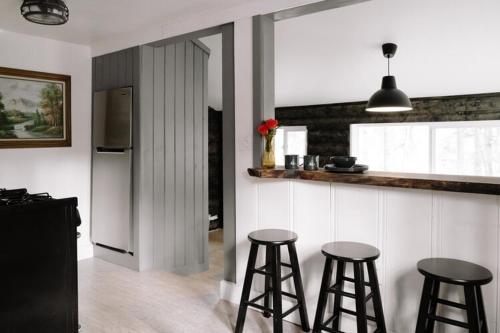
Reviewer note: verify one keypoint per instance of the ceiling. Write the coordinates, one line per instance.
(446, 47)
(94, 20)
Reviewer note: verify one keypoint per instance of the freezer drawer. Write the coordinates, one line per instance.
(112, 198)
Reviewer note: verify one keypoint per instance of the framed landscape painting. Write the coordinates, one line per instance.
(35, 109)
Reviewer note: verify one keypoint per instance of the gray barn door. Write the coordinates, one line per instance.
(174, 126)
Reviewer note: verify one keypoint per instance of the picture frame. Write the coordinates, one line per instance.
(35, 109)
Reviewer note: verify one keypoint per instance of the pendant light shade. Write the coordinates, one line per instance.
(389, 98)
(47, 12)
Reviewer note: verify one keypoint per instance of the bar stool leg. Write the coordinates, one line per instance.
(359, 286)
(276, 281)
(299, 288)
(433, 305)
(267, 281)
(472, 309)
(377, 299)
(247, 286)
(425, 302)
(482, 313)
(323, 295)
(337, 300)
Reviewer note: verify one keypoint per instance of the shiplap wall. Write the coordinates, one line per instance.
(406, 225)
(174, 142)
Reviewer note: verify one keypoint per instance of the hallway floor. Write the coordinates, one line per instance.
(118, 300)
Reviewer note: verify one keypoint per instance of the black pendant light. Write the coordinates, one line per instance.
(47, 12)
(389, 98)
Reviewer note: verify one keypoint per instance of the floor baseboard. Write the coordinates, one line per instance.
(85, 251)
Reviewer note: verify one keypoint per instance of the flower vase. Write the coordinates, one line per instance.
(268, 160)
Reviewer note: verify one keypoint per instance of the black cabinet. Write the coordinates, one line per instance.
(38, 267)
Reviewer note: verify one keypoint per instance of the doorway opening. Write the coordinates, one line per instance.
(215, 152)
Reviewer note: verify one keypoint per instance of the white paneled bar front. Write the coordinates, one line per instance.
(405, 224)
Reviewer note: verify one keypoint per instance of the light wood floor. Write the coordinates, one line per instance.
(118, 300)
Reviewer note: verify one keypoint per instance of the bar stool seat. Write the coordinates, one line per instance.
(469, 275)
(272, 237)
(272, 240)
(350, 251)
(454, 271)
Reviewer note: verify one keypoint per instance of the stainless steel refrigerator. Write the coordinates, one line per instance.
(112, 170)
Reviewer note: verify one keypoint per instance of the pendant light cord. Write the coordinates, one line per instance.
(388, 66)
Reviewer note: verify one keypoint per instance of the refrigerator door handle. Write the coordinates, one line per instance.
(108, 150)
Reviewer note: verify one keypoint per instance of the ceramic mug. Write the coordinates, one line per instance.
(291, 161)
(311, 162)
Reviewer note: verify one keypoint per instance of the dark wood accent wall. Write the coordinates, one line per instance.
(328, 125)
(215, 189)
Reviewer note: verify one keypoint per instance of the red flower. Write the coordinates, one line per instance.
(272, 123)
(263, 129)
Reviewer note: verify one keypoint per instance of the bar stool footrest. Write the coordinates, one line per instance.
(260, 307)
(286, 277)
(256, 299)
(329, 329)
(354, 313)
(287, 312)
(450, 303)
(261, 270)
(348, 279)
(335, 289)
(449, 321)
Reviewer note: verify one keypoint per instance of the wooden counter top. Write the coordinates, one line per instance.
(466, 184)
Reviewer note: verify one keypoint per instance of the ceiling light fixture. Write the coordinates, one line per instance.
(389, 98)
(47, 12)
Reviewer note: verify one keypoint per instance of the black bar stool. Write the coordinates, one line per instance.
(358, 254)
(273, 239)
(457, 272)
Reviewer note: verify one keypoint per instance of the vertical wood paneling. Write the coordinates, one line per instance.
(189, 234)
(122, 69)
(205, 157)
(169, 154)
(159, 156)
(311, 208)
(180, 156)
(274, 205)
(406, 225)
(469, 231)
(175, 84)
(97, 78)
(146, 149)
(409, 219)
(114, 70)
(199, 110)
(356, 212)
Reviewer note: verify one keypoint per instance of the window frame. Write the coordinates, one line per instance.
(287, 129)
(433, 126)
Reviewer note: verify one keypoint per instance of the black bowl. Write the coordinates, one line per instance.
(343, 161)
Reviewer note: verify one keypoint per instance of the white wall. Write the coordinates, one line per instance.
(63, 172)
(446, 47)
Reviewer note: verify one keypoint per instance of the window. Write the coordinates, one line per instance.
(459, 148)
(290, 140)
